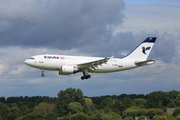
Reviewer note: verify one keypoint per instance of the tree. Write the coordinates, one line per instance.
(89, 106)
(118, 108)
(154, 111)
(156, 117)
(4, 110)
(24, 109)
(134, 112)
(13, 113)
(171, 104)
(141, 102)
(67, 96)
(172, 94)
(105, 116)
(176, 111)
(51, 116)
(178, 118)
(141, 118)
(2, 99)
(71, 95)
(33, 116)
(168, 116)
(128, 118)
(74, 107)
(157, 99)
(44, 108)
(96, 116)
(177, 100)
(126, 102)
(107, 104)
(79, 116)
(130, 113)
(115, 116)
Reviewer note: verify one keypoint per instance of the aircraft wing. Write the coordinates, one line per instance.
(142, 63)
(93, 64)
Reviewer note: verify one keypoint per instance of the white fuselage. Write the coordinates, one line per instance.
(55, 62)
(67, 65)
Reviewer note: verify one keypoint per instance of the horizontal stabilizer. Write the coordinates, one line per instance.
(147, 62)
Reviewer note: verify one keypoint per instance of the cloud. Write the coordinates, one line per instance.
(89, 28)
(58, 24)
(12, 58)
(161, 2)
(146, 20)
(149, 17)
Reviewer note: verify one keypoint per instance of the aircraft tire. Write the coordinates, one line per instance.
(88, 76)
(82, 78)
(85, 77)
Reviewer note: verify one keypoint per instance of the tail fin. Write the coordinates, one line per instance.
(143, 50)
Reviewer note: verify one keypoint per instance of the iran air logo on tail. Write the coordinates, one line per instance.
(144, 49)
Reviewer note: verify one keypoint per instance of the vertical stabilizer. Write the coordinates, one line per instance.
(143, 50)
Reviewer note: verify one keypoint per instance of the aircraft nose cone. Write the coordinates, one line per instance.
(27, 62)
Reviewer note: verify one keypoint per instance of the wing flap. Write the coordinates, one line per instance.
(93, 64)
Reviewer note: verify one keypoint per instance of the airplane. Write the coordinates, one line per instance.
(67, 65)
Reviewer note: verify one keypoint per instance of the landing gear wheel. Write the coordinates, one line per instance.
(85, 77)
(88, 76)
(42, 75)
(82, 78)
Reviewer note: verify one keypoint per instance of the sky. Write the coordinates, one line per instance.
(102, 28)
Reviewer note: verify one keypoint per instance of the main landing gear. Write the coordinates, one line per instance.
(85, 76)
(42, 75)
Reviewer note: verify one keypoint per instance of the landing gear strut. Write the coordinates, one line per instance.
(85, 76)
(42, 75)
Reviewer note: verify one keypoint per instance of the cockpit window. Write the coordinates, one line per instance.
(31, 58)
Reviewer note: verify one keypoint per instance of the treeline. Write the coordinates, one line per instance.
(71, 104)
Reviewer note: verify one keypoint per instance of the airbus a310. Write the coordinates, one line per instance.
(67, 65)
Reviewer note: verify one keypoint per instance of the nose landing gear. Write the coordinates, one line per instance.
(42, 75)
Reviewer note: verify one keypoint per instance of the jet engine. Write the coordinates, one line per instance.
(68, 69)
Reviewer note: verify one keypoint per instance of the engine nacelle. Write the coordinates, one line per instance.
(68, 69)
